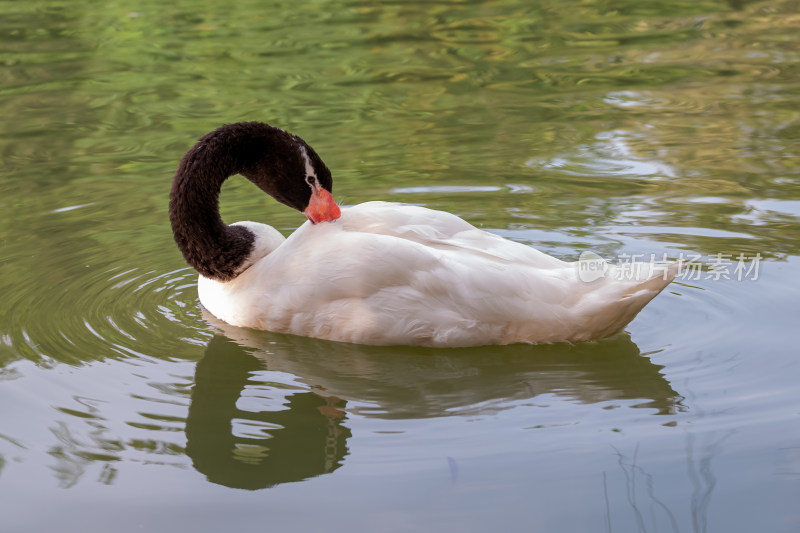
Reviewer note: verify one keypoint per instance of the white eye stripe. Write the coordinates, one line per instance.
(311, 175)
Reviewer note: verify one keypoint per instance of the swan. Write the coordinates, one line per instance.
(377, 273)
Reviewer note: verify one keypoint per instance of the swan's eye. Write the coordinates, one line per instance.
(311, 180)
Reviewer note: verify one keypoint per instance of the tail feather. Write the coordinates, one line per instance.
(625, 292)
(651, 277)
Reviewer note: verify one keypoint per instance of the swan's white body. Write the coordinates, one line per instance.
(386, 274)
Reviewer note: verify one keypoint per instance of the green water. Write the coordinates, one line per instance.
(628, 128)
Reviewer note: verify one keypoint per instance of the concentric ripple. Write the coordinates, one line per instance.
(105, 314)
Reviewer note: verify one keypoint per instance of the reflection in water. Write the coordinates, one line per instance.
(402, 382)
(245, 447)
(640, 488)
(276, 415)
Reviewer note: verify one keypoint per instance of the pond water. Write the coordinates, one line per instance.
(626, 128)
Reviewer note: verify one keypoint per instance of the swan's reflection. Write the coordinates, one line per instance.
(235, 443)
(250, 434)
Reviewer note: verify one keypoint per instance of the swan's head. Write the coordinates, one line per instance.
(279, 163)
(289, 170)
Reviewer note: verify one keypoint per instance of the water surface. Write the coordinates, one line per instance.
(630, 129)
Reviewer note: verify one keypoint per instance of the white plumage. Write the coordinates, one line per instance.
(386, 274)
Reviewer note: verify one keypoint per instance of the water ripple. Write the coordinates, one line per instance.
(112, 313)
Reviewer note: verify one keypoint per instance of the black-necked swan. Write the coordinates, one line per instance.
(377, 273)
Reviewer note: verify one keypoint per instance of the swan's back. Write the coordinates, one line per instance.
(392, 274)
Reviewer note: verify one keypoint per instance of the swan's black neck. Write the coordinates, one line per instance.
(268, 156)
